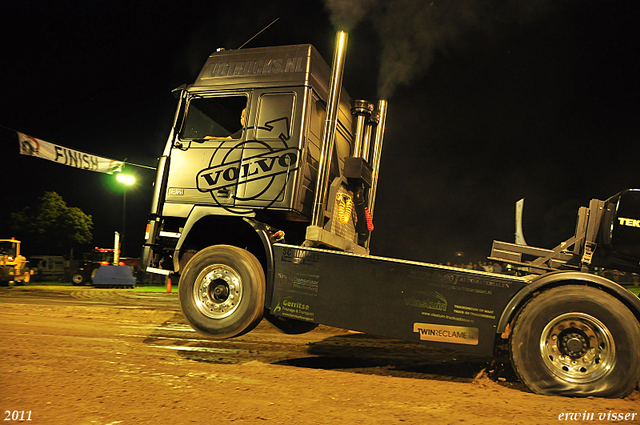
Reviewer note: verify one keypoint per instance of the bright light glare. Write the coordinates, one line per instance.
(125, 179)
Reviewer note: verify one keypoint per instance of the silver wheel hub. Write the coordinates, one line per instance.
(578, 348)
(217, 291)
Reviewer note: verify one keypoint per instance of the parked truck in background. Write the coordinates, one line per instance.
(263, 204)
(49, 267)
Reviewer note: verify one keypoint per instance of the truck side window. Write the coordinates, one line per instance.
(214, 117)
(275, 116)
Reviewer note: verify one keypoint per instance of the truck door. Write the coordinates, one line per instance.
(205, 158)
(271, 154)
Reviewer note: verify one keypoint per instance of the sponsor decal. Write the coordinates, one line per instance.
(430, 300)
(629, 222)
(305, 284)
(257, 67)
(438, 277)
(445, 333)
(299, 256)
(474, 311)
(301, 283)
(176, 191)
(287, 307)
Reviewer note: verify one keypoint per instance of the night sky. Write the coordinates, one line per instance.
(489, 102)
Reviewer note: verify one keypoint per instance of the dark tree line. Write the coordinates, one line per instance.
(51, 226)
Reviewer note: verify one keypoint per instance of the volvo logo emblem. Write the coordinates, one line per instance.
(251, 167)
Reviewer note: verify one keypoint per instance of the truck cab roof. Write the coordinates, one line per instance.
(280, 66)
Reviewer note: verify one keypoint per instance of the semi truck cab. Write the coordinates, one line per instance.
(244, 156)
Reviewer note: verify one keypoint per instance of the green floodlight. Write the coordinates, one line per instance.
(125, 179)
(128, 180)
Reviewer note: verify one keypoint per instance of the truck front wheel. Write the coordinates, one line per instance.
(576, 341)
(222, 291)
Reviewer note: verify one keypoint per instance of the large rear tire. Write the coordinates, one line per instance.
(577, 341)
(222, 291)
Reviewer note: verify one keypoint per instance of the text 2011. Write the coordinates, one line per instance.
(17, 415)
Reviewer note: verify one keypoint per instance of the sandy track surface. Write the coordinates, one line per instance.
(114, 356)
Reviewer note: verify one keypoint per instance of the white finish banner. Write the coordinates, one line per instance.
(39, 148)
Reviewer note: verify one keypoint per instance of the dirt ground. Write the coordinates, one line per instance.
(115, 356)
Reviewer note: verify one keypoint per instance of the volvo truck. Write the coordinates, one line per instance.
(264, 202)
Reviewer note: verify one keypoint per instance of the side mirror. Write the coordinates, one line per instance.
(177, 92)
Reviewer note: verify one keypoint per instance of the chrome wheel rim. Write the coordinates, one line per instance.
(217, 291)
(578, 348)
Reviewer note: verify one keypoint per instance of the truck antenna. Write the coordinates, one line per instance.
(258, 33)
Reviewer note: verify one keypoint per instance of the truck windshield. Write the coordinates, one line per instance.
(8, 248)
(214, 117)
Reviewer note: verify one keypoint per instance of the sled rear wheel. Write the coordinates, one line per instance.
(577, 341)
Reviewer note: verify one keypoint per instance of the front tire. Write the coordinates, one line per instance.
(222, 291)
(577, 341)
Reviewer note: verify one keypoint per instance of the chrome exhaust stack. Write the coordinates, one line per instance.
(316, 234)
(328, 138)
(369, 129)
(362, 111)
(359, 175)
(377, 151)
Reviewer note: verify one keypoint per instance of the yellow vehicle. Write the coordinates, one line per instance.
(13, 266)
